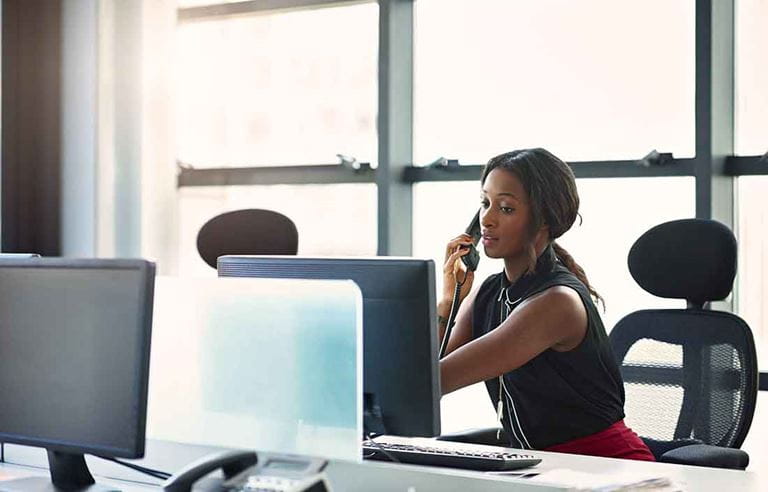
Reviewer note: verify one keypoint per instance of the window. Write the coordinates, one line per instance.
(615, 211)
(751, 105)
(752, 234)
(337, 219)
(588, 80)
(279, 88)
(282, 88)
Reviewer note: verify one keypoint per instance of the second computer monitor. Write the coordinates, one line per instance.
(74, 361)
(400, 368)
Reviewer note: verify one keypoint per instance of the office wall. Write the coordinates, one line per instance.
(79, 127)
(118, 179)
(30, 126)
(159, 195)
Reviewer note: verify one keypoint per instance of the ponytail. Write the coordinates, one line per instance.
(575, 269)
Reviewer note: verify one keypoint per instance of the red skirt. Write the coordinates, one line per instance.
(617, 441)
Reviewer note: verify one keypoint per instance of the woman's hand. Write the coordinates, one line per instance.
(455, 271)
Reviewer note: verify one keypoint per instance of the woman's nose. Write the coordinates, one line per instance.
(486, 218)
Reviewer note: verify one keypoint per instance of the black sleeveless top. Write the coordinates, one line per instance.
(556, 396)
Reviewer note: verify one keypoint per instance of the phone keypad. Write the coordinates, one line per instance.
(266, 483)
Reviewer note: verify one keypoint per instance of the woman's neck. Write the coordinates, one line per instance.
(515, 267)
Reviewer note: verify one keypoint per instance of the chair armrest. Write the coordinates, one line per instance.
(487, 436)
(658, 448)
(706, 455)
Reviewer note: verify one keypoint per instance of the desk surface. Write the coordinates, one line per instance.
(379, 476)
(386, 476)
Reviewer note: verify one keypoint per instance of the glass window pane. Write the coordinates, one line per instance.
(615, 211)
(752, 234)
(751, 77)
(588, 80)
(333, 220)
(285, 88)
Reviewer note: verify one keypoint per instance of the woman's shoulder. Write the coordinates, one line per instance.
(560, 275)
(557, 294)
(561, 283)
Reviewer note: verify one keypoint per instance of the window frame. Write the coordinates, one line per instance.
(714, 165)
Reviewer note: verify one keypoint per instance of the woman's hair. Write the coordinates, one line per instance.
(553, 199)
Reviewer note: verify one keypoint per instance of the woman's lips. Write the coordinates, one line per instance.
(489, 240)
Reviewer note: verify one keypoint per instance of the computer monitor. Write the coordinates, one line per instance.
(74, 361)
(400, 368)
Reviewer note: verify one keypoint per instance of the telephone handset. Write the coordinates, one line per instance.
(246, 470)
(472, 258)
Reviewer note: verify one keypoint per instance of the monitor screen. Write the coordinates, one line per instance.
(74, 354)
(400, 367)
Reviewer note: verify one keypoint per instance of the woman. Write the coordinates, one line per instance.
(532, 332)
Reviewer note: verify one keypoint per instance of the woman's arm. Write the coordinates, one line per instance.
(462, 329)
(453, 269)
(555, 318)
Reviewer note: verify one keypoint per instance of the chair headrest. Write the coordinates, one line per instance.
(692, 259)
(247, 232)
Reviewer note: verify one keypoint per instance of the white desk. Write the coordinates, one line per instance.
(385, 476)
(379, 476)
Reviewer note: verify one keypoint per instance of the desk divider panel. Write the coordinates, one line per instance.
(266, 364)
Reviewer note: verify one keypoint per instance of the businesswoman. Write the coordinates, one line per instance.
(532, 332)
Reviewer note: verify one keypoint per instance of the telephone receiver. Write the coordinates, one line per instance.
(247, 470)
(472, 258)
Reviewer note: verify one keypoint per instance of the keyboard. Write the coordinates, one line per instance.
(429, 452)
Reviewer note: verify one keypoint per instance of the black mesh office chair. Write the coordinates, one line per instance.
(690, 375)
(247, 232)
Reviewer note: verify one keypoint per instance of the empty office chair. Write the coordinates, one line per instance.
(247, 232)
(690, 375)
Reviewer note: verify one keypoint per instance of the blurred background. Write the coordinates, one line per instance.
(128, 124)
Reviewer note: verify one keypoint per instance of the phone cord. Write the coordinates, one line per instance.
(451, 317)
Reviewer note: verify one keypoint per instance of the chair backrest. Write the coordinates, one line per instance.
(688, 373)
(247, 232)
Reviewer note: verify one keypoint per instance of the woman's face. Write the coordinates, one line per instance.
(505, 216)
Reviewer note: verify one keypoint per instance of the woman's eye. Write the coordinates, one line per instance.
(507, 210)
(484, 203)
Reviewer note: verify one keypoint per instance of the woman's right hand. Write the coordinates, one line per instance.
(455, 271)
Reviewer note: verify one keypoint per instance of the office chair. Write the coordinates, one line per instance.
(247, 232)
(690, 375)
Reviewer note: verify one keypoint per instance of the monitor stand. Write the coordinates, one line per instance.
(68, 473)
